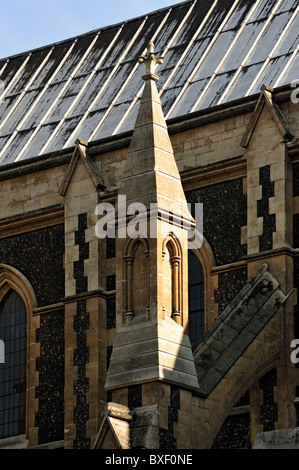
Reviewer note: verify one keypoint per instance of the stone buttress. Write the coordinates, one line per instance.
(151, 347)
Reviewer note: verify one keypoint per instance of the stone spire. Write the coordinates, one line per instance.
(151, 174)
(151, 344)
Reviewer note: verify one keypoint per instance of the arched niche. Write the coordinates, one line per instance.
(172, 278)
(137, 276)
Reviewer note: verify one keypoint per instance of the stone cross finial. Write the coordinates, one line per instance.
(151, 61)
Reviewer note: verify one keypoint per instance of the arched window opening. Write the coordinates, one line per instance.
(196, 298)
(13, 330)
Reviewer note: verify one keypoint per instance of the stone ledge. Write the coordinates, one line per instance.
(15, 442)
(155, 352)
(279, 439)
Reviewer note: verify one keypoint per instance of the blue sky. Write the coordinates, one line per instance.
(28, 24)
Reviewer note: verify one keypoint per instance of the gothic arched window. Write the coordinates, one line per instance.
(196, 320)
(13, 332)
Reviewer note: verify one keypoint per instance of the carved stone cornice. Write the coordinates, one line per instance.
(214, 173)
(34, 220)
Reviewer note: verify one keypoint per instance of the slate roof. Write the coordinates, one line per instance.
(89, 87)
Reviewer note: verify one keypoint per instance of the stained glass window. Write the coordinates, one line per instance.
(196, 298)
(13, 370)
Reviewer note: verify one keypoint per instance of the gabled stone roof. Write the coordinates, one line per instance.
(89, 87)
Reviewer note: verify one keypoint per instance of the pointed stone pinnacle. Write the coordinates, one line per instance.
(151, 61)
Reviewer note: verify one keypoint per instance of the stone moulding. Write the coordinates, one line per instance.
(278, 439)
(34, 220)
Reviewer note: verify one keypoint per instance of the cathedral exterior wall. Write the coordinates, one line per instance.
(250, 215)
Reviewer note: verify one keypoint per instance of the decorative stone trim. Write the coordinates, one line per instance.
(214, 173)
(31, 221)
